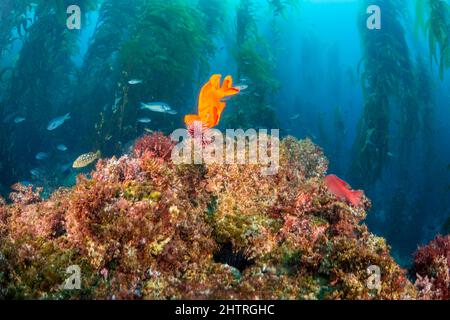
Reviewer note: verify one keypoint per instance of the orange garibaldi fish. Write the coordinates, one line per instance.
(210, 101)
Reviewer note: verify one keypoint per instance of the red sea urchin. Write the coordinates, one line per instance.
(199, 132)
(157, 145)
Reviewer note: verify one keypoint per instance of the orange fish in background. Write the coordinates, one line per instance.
(211, 101)
(342, 190)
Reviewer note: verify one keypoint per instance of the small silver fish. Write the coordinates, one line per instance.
(61, 147)
(241, 87)
(115, 106)
(390, 154)
(64, 167)
(56, 122)
(295, 117)
(19, 119)
(148, 130)
(160, 107)
(36, 172)
(41, 156)
(144, 120)
(134, 81)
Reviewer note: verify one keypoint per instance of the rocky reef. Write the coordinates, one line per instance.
(141, 227)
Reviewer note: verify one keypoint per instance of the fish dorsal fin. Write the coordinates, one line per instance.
(341, 182)
(227, 83)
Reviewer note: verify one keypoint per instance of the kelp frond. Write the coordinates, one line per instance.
(433, 18)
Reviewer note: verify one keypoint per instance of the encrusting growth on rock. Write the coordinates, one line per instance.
(144, 228)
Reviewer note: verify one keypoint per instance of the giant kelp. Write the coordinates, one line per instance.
(387, 75)
(13, 17)
(13, 24)
(163, 43)
(279, 7)
(433, 18)
(426, 102)
(98, 95)
(40, 81)
(255, 64)
(214, 13)
(171, 41)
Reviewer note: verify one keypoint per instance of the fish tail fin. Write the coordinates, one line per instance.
(98, 154)
(356, 197)
(67, 116)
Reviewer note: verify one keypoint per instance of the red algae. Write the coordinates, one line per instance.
(432, 269)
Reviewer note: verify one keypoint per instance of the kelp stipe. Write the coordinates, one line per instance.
(171, 40)
(215, 13)
(254, 61)
(386, 74)
(99, 95)
(279, 7)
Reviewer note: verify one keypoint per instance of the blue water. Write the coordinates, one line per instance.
(316, 51)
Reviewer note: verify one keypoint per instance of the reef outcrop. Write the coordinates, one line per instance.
(141, 227)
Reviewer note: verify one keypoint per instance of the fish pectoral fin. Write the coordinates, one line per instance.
(231, 92)
(227, 88)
